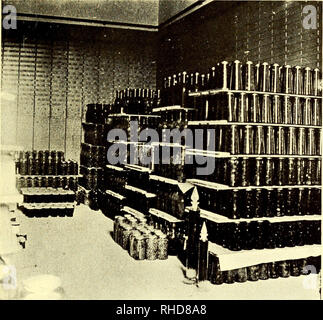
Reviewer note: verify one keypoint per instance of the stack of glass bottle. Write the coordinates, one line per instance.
(264, 192)
(47, 182)
(93, 151)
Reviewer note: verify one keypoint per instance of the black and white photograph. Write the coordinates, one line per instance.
(160, 150)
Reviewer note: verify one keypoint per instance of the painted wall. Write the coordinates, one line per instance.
(126, 11)
(50, 72)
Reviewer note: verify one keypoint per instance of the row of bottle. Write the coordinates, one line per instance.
(97, 113)
(45, 163)
(139, 200)
(41, 155)
(177, 118)
(273, 270)
(170, 198)
(134, 153)
(248, 76)
(92, 178)
(171, 171)
(260, 171)
(136, 101)
(259, 108)
(138, 178)
(259, 202)
(48, 209)
(42, 195)
(175, 232)
(52, 167)
(109, 202)
(93, 155)
(95, 134)
(115, 178)
(139, 123)
(262, 234)
(65, 182)
(260, 139)
(140, 240)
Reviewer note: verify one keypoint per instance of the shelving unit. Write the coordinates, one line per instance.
(228, 123)
(227, 248)
(219, 186)
(232, 260)
(217, 91)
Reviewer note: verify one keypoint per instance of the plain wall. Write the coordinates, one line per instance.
(50, 72)
(142, 12)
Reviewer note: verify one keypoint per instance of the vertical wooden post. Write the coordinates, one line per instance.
(192, 242)
(203, 255)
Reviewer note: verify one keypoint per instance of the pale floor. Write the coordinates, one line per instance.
(91, 265)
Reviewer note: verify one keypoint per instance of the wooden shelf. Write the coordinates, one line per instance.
(172, 108)
(228, 123)
(138, 190)
(217, 218)
(49, 175)
(219, 186)
(218, 91)
(89, 168)
(206, 153)
(90, 144)
(273, 156)
(48, 205)
(92, 124)
(163, 215)
(128, 115)
(109, 166)
(115, 194)
(163, 179)
(43, 191)
(139, 215)
(230, 260)
(167, 144)
(137, 168)
(220, 154)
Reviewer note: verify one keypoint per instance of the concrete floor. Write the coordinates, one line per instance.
(91, 265)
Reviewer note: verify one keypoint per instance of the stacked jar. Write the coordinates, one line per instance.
(143, 242)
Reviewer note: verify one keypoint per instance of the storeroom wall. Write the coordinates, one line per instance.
(142, 12)
(50, 72)
(269, 31)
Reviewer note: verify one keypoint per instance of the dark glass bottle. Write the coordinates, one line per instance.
(263, 271)
(229, 276)
(253, 273)
(127, 107)
(283, 269)
(294, 268)
(273, 270)
(241, 275)
(248, 76)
